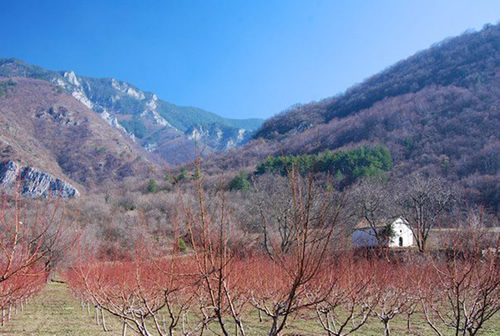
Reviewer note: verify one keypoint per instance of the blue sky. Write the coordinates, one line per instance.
(236, 58)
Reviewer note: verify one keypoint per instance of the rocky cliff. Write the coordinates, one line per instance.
(34, 182)
(218, 136)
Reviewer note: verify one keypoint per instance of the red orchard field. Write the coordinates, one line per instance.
(31, 244)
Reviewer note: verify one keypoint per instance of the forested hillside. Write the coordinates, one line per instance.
(468, 61)
(437, 112)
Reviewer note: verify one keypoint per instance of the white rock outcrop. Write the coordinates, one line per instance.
(34, 182)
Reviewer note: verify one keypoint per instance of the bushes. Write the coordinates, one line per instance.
(6, 86)
(152, 186)
(240, 182)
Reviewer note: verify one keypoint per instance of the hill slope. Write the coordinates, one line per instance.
(468, 61)
(437, 111)
(46, 128)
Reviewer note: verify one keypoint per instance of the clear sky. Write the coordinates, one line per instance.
(247, 58)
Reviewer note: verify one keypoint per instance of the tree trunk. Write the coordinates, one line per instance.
(103, 321)
(96, 310)
(274, 327)
(387, 330)
(124, 330)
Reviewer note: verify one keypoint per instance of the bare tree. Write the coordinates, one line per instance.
(463, 291)
(422, 202)
(390, 286)
(30, 232)
(297, 241)
(210, 226)
(372, 201)
(30, 245)
(348, 302)
(273, 207)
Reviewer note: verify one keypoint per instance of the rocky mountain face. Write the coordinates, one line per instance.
(219, 137)
(55, 144)
(154, 124)
(34, 182)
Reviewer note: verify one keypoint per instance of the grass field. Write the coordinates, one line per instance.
(56, 312)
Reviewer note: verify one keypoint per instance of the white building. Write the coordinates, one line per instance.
(364, 235)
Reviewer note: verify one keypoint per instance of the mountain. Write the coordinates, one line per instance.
(156, 125)
(437, 112)
(56, 143)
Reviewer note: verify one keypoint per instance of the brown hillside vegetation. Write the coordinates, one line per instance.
(468, 61)
(437, 112)
(47, 128)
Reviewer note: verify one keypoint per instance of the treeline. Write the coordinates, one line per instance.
(346, 165)
(372, 295)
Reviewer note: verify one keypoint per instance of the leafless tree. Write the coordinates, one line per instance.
(210, 227)
(297, 239)
(372, 201)
(273, 207)
(423, 201)
(390, 286)
(349, 300)
(463, 291)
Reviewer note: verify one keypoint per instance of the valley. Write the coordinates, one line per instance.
(371, 212)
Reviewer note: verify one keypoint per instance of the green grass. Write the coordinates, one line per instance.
(56, 312)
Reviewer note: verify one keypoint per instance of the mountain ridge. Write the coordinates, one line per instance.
(140, 114)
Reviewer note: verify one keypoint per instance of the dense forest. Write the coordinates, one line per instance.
(346, 166)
